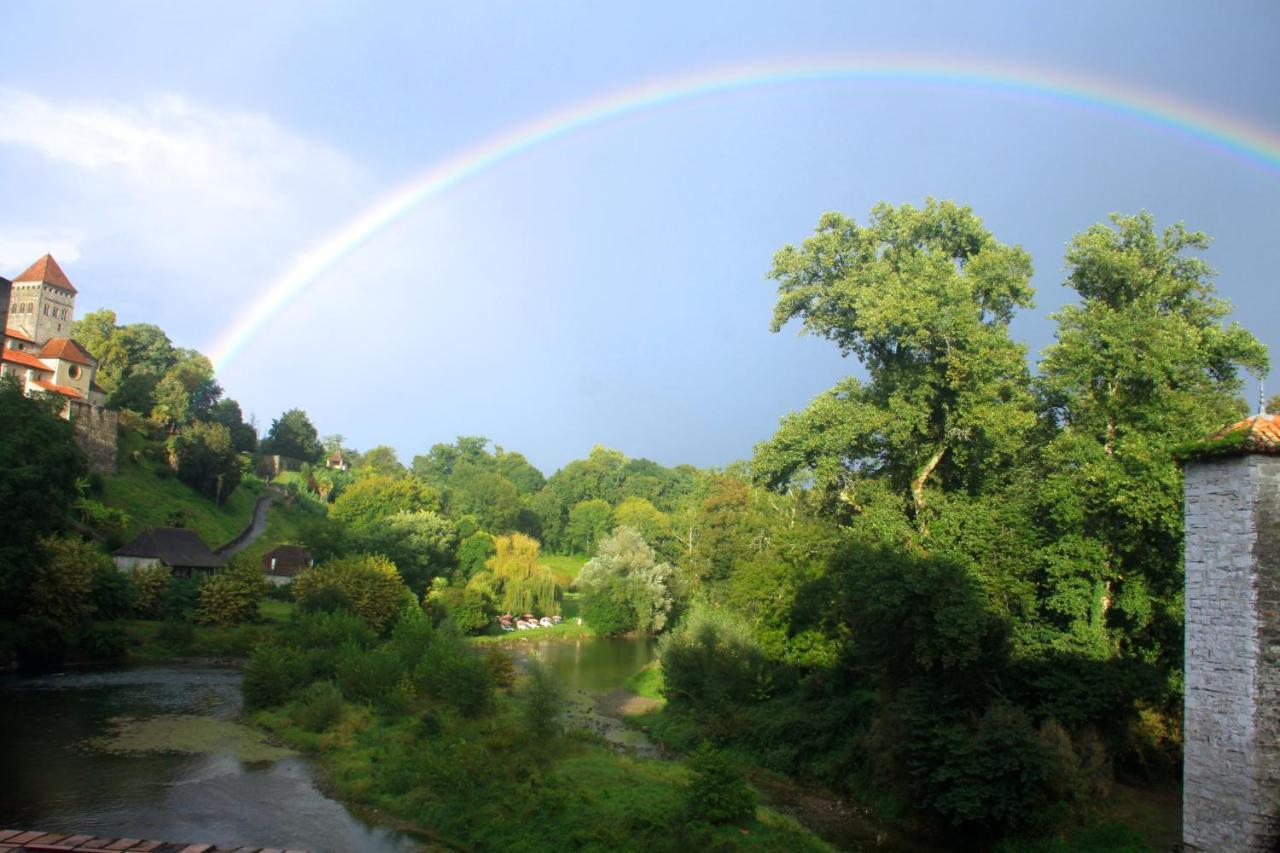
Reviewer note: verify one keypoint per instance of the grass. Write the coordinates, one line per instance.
(150, 497)
(488, 784)
(564, 566)
(207, 641)
(647, 682)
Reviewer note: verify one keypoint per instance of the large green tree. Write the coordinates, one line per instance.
(293, 435)
(923, 298)
(1143, 362)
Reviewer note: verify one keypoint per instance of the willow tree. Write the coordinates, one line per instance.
(923, 298)
(523, 586)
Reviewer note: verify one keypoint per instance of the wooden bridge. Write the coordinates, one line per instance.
(20, 839)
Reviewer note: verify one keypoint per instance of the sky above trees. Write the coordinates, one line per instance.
(610, 286)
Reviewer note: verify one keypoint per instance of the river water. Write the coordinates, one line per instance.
(64, 773)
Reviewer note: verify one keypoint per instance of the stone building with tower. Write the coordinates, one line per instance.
(39, 308)
(1231, 737)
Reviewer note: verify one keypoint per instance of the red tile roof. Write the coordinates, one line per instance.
(26, 359)
(20, 335)
(58, 389)
(1261, 433)
(65, 349)
(47, 271)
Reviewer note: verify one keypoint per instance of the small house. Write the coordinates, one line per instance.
(179, 549)
(283, 562)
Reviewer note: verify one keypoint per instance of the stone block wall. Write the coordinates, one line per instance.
(1231, 763)
(96, 429)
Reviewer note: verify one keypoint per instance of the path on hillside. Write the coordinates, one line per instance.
(251, 533)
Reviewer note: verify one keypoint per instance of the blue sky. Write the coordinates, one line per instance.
(608, 287)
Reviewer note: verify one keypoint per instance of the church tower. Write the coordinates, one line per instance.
(42, 302)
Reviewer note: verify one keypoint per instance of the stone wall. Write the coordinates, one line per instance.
(96, 430)
(1231, 763)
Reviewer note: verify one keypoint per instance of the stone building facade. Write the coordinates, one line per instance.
(38, 352)
(1231, 743)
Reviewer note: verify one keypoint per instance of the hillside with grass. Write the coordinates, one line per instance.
(146, 490)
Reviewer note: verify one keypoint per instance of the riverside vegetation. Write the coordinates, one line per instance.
(950, 591)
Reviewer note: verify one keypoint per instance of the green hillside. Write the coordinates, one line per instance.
(147, 490)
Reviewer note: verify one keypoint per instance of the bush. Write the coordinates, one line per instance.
(711, 660)
(151, 586)
(41, 644)
(104, 642)
(63, 582)
(111, 593)
(271, 676)
(502, 668)
(332, 630)
(181, 598)
(232, 596)
(368, 675)
(371, 584)
(319, 708)
(542, 700)
(176, 635)
(323, 599)
(608, 610)
(718, 792)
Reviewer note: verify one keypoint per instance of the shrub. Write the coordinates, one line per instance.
(232, 596)
(181, 598)
(371, 584)
(271, 676)
(542, 700)
(176, 635)
(319, 708)
(367, 675)
(718, 792)
(502, 667)
(332, 630)
(111, 593)
(711, 660)
(104, 642)
(62, 584)
(322, 599)
(41, 644)
(151, 585)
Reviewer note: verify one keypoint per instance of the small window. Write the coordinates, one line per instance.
(74, 371)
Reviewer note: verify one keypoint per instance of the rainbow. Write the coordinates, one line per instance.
(1231, 136)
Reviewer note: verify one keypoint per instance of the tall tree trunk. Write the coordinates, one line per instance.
(917, 485)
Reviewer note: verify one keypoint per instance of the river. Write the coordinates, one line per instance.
(97, 752)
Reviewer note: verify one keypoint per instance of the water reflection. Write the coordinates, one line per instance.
(62, 785)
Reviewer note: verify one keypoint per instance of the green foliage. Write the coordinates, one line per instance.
(39, 464)
(542, 700)
(473, 552)
(372, 500)
(370, 585)
(368, 674)
(522, 585)
(62, 584)
(293, 435)
(206, 460)
(177, 635)
(112, 594)
(152, 585)
(625, 579)
(232, 596)
(319, 707)
(717, 791)
(40, 644)
(711, 660)
(588, 522)
(104, 642)
(271, 676)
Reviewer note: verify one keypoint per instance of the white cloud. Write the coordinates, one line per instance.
(20, 245)
(172, 146)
